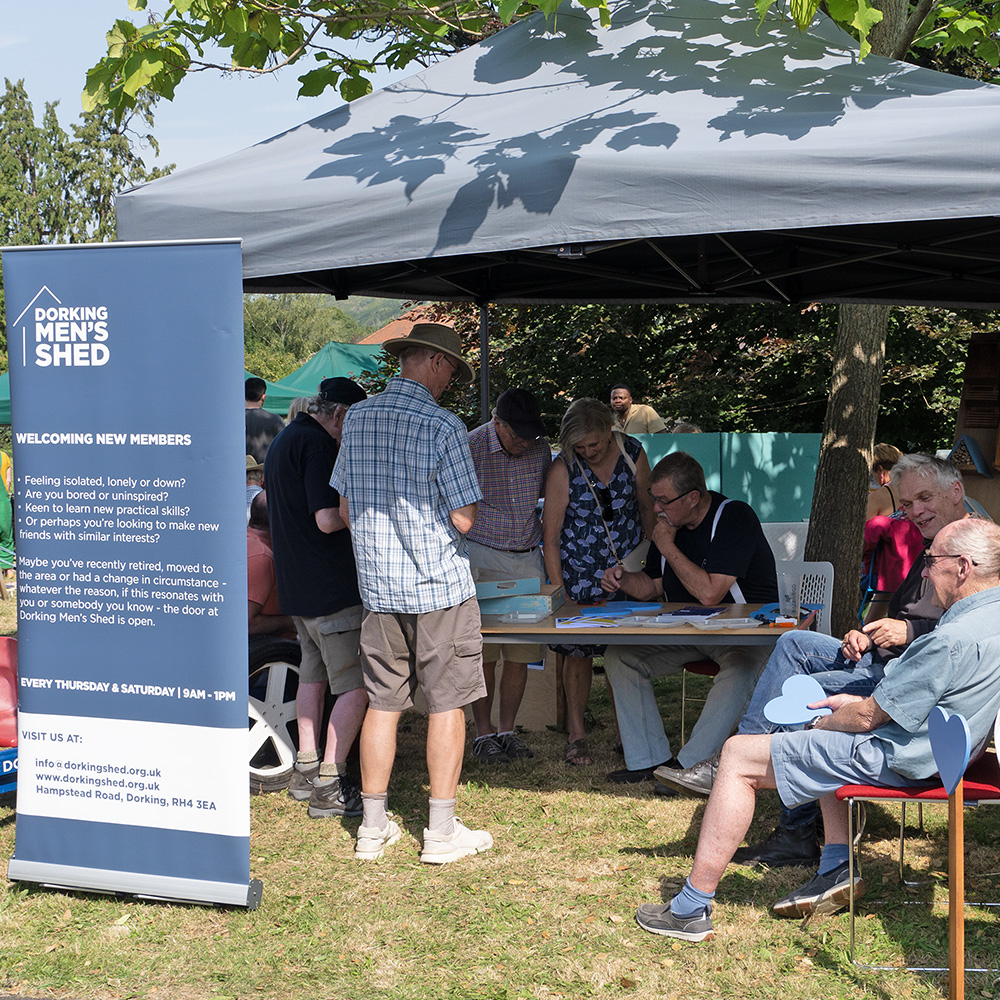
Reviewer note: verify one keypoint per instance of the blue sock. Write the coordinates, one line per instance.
(691, 902)
(832, 856)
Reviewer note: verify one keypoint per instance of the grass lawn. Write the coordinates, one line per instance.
(547, 914)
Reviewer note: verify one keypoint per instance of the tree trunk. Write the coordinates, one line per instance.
(837, 517)
(839, 497)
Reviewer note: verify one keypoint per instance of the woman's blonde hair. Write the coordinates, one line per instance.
(298, 405)
(584, 416)
(884, 457)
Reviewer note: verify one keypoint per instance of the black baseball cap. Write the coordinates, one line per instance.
(520, 410)
(341, 390)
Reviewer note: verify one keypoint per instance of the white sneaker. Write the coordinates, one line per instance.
(439, 849)
(372, 841)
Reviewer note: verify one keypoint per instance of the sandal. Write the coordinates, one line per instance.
(578, 753)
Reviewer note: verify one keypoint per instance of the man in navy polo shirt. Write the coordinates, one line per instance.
(318, 587)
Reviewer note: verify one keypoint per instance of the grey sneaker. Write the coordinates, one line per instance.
(821, 894)
(372, 841)
(439, 849)
(301, 785)
(694, 780)
(657, 919)
(513, 746)
(488, 750)
(334, 797)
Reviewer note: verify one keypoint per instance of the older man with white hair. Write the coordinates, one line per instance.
(932, 495)
(880, 739)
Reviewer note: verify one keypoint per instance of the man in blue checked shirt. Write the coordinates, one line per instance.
(409, 491)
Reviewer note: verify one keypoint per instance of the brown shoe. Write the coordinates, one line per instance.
(578, 753)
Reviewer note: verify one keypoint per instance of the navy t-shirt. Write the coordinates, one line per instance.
(315, 571)
(738, 549)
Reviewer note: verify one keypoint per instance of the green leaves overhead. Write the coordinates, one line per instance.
(859, 15)
(973, 27)
(262, 36)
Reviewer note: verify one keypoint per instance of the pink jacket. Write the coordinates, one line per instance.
(901, 544)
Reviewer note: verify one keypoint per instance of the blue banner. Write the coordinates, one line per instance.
(126, 368)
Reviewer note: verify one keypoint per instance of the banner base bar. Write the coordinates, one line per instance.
(159, 887)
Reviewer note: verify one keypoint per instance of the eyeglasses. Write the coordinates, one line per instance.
(452, 363)
(923, 499)
(666, 503)
(516, 438)
(930, 560)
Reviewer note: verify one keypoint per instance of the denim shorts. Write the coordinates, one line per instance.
(811, 763)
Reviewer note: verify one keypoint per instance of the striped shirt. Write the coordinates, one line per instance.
(404, 464)
(507, 517)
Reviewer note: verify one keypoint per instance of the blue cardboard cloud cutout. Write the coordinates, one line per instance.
(951, 744)
(789, 708)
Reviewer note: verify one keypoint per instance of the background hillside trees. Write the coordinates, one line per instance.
(58, 186)
(281, 332)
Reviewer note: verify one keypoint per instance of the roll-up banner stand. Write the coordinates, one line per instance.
(126, 368)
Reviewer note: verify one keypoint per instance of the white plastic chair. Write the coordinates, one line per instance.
(817, 587)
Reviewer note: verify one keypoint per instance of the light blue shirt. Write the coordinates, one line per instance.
(957, 666)
(404, 464)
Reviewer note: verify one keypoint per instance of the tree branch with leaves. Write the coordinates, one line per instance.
(264, 36)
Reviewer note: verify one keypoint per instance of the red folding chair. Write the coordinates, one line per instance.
(981, 786)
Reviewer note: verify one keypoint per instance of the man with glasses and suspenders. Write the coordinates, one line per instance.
(707, 551)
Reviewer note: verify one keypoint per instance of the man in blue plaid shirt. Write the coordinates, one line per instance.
(409, 490)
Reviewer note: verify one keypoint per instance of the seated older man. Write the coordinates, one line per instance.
(931, 493)
(881, 739)
(706, 550)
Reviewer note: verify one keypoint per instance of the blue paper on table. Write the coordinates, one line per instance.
(617, 609)
(697, 610)
(951, 744)
(768, 612)
(789, 708)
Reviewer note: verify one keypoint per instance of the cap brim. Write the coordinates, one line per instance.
(526, 432)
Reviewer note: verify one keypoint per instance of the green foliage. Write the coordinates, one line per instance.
(262, 36)
(370, 312)
(970, 28)
(34, 168)
(726, 368)
(858, 16)
(281, 332)
(926, 351)
(55, 188)
(112, 163)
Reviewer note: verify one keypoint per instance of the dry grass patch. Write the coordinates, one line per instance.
(549, 913)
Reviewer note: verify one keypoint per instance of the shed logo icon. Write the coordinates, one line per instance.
(54, 335)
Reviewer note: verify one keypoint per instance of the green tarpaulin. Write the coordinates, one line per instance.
(332, 359)
(348, 360)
